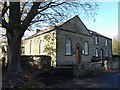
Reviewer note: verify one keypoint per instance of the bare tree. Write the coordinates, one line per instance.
(17, 17)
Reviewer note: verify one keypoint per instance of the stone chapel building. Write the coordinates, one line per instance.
(69, 43)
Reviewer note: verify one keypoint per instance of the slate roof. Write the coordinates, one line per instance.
(98, 34)
(57, 26)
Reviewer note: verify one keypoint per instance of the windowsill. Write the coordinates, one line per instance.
(85, 54)
(68, 55)
(96, 44)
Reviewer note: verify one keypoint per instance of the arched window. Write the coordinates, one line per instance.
(41, 47)
(68, 47)
(30, 47)
(86, 47)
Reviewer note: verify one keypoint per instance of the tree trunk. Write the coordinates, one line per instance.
(14, 53)
(14, 38)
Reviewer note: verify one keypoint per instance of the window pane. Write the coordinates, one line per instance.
(96, 52)
(96, 40)
(83, 51)
(106, 53)
(68, 47)
(30, 47)
(86, 48)
(41, 47)
(101, 53)
(106, 42)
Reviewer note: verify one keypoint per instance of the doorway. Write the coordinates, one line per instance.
(77, 53)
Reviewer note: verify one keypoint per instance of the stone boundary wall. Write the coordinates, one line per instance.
(37, 61)
(88, 68)
(116, 57)
(112, 65)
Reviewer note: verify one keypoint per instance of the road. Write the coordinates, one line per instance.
(106, 80)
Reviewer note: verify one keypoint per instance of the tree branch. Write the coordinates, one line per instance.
(39, 8)
(44, 8)
(5, 24)
(30, 16)
(33, 12)
(23, 9)
(5, 8)
(36, 21)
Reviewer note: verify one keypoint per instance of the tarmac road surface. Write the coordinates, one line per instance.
(109, 79)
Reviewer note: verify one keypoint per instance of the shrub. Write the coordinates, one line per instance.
(30, 84)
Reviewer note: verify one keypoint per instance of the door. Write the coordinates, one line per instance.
(77, 53)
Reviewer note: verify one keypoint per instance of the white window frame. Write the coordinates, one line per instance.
(86, 48)
(106, 42)
(68, 47)
(41, 47)
(96, 52)
(5, 47)
(101, 53)
(83, 51)
(106, 53)
(96, 39)
(30, 47)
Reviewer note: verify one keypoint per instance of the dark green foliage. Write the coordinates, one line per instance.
(27, 62)
(46, 63)
(116, 46)
(30, 84)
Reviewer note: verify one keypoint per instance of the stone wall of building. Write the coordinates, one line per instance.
(75, 38)
(55, 41)
(32, 45)
(62, 35)
(107, 50)
(75, 25)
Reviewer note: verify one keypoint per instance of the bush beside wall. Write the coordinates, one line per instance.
(36, 61)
